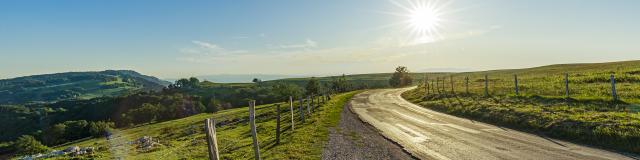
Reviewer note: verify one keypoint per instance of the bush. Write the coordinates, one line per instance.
(100, 128)
(76, 129)
(213, 106)
(27, 145)
(401, 77)
(55, 134)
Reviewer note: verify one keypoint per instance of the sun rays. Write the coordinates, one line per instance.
(424, 19)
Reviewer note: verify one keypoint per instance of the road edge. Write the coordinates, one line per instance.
(379, 132)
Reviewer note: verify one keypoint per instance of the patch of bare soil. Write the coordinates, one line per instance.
(354, 139)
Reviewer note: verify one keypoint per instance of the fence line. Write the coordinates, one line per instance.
(311, 101)
(438, 86)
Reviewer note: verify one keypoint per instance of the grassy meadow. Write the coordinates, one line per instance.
(185, 138)
(589, 116)
(586, 81)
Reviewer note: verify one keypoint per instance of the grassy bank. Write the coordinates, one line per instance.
(589, 121)
(185, 139)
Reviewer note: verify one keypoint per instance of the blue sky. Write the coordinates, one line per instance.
(172, 39)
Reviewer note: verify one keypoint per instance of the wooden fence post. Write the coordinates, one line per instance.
(486, 85)
(291, 109)
(466, 84)
(566, 84)
(515, 79)
(212, 141)
(438, 84)
(278, 124)
(426, 84)
(301, 110)
(613, 88)
(433, 88)
(254, 133)
(451, 79)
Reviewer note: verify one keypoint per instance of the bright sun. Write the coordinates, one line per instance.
(423, 20)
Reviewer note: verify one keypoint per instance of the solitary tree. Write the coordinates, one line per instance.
(401, 77)
(340, 84)
(313, 86)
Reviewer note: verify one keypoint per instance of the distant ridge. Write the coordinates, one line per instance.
(243, 78)
(75, 85)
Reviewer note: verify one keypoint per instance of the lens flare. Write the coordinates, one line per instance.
(424, 22)
(423, 19)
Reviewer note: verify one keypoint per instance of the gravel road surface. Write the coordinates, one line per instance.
(353, 140)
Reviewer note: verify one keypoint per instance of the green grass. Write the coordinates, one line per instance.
(185, 139)
(589, 116)
(586, 81)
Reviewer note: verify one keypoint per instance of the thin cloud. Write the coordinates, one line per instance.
(205, 45)
(308, 43)
(202, 48)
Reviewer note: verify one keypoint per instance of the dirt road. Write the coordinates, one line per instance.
(429, 134)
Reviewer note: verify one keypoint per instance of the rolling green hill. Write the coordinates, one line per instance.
(75, 85)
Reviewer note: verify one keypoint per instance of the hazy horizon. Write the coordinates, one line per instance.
(182, 39)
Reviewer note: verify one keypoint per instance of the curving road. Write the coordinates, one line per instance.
(429, 134)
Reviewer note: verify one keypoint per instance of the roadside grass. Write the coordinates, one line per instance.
(598, 122)
(185, 138)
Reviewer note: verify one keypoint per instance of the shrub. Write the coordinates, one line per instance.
(27, 145)
(100, 128)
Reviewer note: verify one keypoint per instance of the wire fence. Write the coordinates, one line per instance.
(578, 86)
(286, 120)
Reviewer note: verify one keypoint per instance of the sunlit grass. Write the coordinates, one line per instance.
(598, 122)
(185, 139)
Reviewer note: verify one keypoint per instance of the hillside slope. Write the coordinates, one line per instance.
(185, 138)
(74, 85)
(382, 79)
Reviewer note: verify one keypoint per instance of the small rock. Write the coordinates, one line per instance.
(72, 149)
